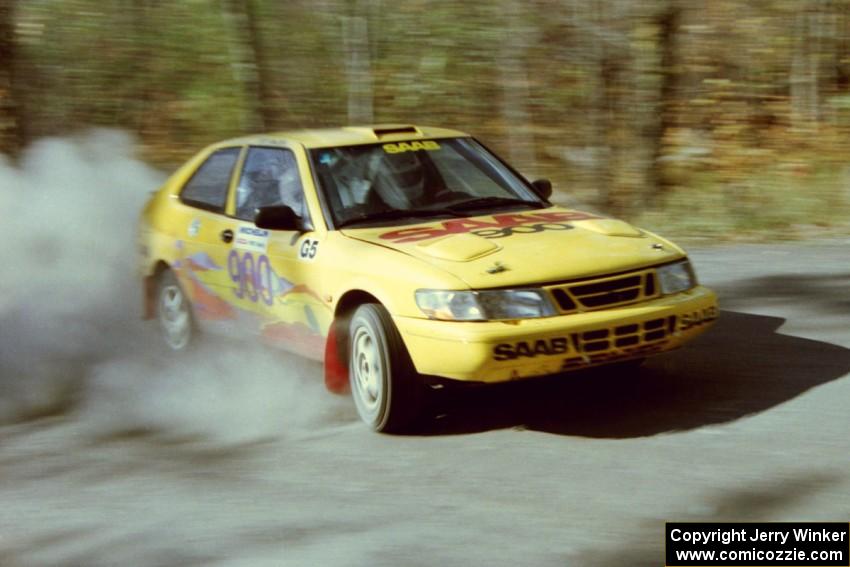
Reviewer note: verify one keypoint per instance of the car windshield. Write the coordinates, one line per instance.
(403, 182)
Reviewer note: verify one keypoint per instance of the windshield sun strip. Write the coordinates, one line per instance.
(507, 180)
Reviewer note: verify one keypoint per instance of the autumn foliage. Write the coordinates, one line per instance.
(721, 116)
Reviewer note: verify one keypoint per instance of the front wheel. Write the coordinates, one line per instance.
(386, 388)
(174, 312)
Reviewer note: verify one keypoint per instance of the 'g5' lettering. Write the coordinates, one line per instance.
(308, 249)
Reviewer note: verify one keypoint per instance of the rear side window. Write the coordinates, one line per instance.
(208, 187)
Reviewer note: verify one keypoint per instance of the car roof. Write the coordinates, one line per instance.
(347, 136)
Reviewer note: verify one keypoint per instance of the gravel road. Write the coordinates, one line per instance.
(219, 460)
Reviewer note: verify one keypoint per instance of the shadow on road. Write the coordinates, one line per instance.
(762, 501)
(739, 367)
(824, 293)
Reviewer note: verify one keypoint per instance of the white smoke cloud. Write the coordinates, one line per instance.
(71, 338)
(212, 396)
(68, 215)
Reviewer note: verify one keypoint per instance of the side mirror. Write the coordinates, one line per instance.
(278, 217)
(542, 187)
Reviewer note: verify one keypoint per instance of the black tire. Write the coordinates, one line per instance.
(174, 313)
(387, 390)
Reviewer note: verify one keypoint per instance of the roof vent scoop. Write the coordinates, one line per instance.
(390, 130)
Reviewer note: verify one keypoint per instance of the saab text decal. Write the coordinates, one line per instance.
(507, 351)
(429, 145)
(560, 345)
(701, 317)
(495, 228)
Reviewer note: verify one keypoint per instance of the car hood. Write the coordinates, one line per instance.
(511, 249)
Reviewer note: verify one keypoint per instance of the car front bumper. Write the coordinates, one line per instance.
(498, 351)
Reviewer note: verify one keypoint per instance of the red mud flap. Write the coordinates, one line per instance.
(336, 370)
(149, 298)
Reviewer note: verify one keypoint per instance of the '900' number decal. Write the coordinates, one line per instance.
(252, 275)
(521, 229)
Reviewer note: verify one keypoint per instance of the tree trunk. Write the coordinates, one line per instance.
(358, 65)
(804, 72)
(143, 22)
(669, 22)
(252, 65)
(516, 92)
(610, 128)
(841, 56)
(11, 123)
(605, 71)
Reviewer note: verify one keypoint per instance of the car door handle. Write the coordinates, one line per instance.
(227, 235)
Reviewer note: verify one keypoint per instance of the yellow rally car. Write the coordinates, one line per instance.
(396, 254)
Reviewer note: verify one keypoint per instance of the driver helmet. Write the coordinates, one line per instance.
(405, 176)
(267, 170)
(289, 187)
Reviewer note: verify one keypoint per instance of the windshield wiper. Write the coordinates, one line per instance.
(398, 214)
(486, 202)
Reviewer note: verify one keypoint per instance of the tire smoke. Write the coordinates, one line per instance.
(71, 339)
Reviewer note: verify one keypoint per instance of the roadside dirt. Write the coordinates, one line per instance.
(241, 459)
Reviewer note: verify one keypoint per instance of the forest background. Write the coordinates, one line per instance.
(720, 119)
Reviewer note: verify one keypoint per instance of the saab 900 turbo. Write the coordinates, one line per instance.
(397, 255)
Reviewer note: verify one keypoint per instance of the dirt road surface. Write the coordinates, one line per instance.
(221, 460)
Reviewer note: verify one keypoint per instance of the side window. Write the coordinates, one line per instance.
(269, 177)
(207, 189)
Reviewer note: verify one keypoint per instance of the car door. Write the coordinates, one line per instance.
(207, 236)
(275, 269)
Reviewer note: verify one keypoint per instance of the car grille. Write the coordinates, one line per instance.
(620, 342)
(602, 293)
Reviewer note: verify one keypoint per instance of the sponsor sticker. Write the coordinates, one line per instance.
(251, 238)
(194, 227)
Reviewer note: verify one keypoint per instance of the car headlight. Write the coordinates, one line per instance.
(484, 305)
(677, 277)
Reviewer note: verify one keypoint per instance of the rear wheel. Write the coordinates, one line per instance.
(386, 388)
(174, 313)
